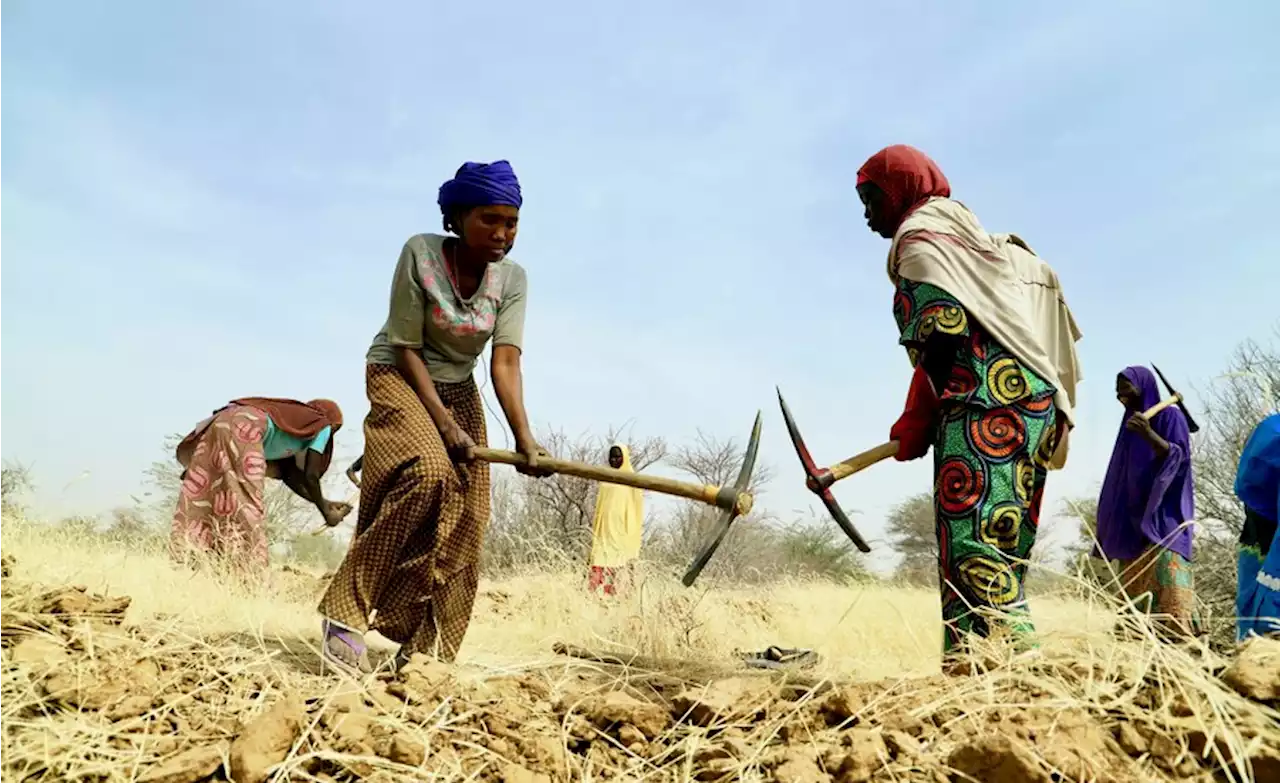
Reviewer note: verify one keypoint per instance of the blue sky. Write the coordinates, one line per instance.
(203, 201)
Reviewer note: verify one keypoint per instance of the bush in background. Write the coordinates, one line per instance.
(545, 524)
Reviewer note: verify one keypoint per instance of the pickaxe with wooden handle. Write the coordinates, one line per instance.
(1175, 398)
(734, 500)
(740, 487)
(819, 480)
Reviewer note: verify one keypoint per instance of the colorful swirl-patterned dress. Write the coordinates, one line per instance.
(996, 434)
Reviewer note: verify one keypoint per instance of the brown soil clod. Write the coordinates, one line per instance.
(266, 740)
(732, 699)
(101, 699)
(996, 758)
(40, 652)
(797, 766)
(189, 766)
(616, 710)
(80, 602)
(1255, 673)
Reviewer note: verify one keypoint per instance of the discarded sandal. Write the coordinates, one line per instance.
(780, 658)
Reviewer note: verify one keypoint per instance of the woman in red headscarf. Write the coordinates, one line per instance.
(992, 345)
(225, 459)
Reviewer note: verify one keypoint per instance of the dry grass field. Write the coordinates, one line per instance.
(117, 666)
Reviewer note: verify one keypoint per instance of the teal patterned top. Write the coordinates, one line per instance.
(983, 373)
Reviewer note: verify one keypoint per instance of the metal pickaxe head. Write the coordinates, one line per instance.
(741, 505)
(1182, 406)
(819, 480)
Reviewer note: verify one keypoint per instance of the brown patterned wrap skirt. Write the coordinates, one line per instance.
(414, 564)
(1160, 583)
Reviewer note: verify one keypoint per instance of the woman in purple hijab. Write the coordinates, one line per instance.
(1146, 507)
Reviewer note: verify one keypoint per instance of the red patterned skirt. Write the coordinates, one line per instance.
(220, 518)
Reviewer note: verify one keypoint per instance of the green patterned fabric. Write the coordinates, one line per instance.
(1160, 582)
(995, 438)
(984, 374)
(1173, 570)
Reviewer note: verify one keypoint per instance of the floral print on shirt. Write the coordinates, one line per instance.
(448, 311)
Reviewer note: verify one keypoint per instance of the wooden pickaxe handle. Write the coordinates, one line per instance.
(862, 461)
(723, 497)
(855, 464)
(1159, 406)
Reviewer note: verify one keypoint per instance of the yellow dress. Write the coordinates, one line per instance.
(619, 521)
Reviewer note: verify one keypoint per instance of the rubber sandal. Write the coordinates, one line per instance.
(344, 648)
(780, 658)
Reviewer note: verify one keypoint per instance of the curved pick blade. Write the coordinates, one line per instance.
(1192, 426)
(810, 468)
(749, 456)
(842, 519)
(1163, 380)
(726, 520)
(828, 500)
(700, 562)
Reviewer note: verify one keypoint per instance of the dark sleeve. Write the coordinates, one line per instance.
(932, 326)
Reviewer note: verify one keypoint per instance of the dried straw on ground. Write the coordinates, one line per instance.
(119, 667)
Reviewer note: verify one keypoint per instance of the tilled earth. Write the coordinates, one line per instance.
(88, 695)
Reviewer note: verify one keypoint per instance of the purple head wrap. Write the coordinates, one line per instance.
(480, 185)
(1144, 499)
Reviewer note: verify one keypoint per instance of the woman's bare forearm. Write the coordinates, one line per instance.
(508, 384)
(414, 369)
(1158, 444)
(304, 483)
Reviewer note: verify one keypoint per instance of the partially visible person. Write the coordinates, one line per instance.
(412, 570)
(1146, 506)
(992, 342)
(617, 527)
(1258, 567)
(353, 470)
(225, 461)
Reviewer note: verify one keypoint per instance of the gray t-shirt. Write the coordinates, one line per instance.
(426, 312)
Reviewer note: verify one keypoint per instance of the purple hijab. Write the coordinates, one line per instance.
(1143, 499)
(481, 185)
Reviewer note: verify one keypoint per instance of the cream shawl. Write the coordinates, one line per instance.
(1001, 282)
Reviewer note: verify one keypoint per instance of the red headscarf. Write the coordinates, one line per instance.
(908, 178)
(301, 420)
(330, 410)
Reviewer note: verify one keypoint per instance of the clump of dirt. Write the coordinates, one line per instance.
(1255, 673)
(299, 584)
(90, 693)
